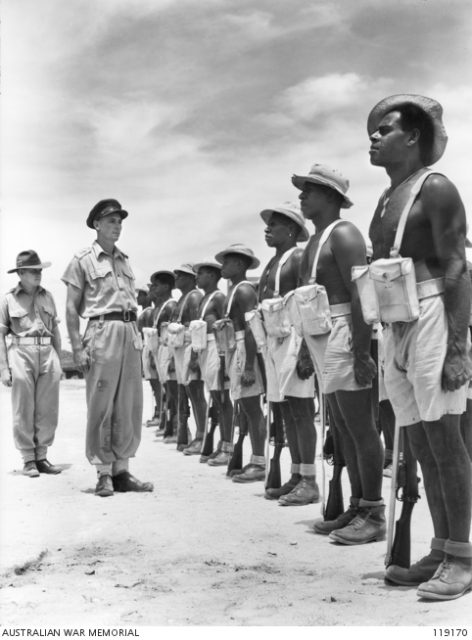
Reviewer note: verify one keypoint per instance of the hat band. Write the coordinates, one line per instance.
(328, 183)
(109, 210)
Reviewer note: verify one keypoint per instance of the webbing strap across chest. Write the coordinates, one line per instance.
(324, 238)
(230, 299)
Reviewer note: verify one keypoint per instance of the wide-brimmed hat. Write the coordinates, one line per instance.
(186, 268)
(321, 174)
(241, 250)
(105, 208)
(292, 211)
(29, 260)
(162, 272)
(209, 262)
(430, 107)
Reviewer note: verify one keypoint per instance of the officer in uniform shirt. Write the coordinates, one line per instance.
(100, 287)
(32, 365)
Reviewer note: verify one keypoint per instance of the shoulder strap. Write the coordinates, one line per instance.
(181, 312)
(324, 237)
(415, 189)
(205, 306)
(230, 300)
(282, 261)
(156, 321)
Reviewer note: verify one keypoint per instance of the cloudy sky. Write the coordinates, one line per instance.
(195, 113)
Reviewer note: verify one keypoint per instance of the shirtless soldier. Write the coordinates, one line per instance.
(186, 367)
(242, 367)
(426, 361)
(342, 358)
(162, 283)
(212, 308)
(145, 320)
(290, 383)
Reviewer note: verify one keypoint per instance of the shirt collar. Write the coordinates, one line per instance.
(98, 251)
(19, 289)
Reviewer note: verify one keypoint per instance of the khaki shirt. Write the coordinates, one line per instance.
(24, 314)
(106, 281)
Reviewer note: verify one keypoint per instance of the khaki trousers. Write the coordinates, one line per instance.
(36, 373)
(114, 391)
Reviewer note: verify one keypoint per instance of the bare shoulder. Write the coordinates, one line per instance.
(346, 234)
(439, 191)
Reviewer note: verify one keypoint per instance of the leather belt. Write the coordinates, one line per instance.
(31, 340)
(124, 316)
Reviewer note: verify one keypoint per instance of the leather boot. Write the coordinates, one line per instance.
(275, 494)
(367, 526)
(419, 572)
(306, 492)
(452, 579)
(324, 527)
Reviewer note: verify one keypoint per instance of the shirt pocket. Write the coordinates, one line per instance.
(102, 279)
(19, 316)
(126, 277)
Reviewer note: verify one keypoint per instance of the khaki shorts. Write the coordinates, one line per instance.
(414, 359)
(333, 357)
(164, 358)
(235, 362)
(280, 359)
(209, 361)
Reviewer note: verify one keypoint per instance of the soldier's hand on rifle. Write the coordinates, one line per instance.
(82, 359)
(305, 366)
(6, 377)
(193, 364)
(364, 368)
(248, 377)
(456, 369)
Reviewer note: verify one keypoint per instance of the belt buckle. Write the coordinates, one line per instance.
(127, 316)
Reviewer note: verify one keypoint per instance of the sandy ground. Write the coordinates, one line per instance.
(200, 550)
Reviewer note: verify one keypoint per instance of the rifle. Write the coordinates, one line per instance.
(273, 475)
(208, 437)
(404, 478)
(323, 435)
(335, 502)
(182, 429)
(235, 463)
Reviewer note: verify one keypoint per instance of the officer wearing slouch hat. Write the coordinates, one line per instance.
(100, 288)
(31, 366)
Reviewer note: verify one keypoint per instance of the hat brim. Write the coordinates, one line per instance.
(299, 183)
(42, 265)
(430, 107)
(303, 234)
(212, 265)
(161, 272)
(254, 261)
(91, 219)
(186, 271)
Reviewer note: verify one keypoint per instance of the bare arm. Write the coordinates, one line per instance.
(4, 365)
(56, 340)
(445, 211)
(74, 297)
(349, 249)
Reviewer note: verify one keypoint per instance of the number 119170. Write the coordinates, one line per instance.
(450, 632)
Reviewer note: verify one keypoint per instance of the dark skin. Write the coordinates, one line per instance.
(186, 283)
(351, 410)
(281, 234)
(207, 280)
(160, 293)
(234, 268)
(435, 239)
